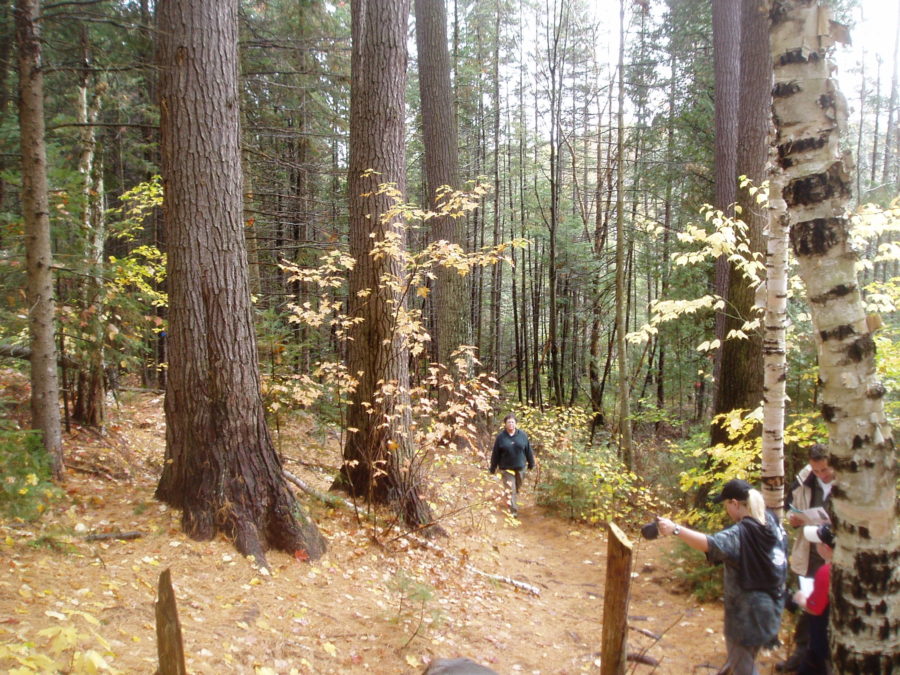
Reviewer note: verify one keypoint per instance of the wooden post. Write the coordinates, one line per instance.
(615, 603)
(169, 646)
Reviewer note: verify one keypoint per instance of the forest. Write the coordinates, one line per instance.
(273, 274)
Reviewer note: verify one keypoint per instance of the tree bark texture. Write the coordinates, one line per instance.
(38, 253)
(726, 16)
(448, 299)
(221, 467)
(614, 642)
(90, 391)
(743, 358)
(380, 462)
(810, 115)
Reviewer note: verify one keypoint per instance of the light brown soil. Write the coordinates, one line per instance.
(358, 610)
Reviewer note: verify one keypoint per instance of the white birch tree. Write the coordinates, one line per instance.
(814, 184)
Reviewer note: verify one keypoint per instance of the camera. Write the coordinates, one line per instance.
(650, 530)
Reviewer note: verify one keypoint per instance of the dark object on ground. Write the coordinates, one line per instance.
(650, 530)
(456, 667)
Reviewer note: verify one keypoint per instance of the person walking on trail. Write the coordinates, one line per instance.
(811, 488)
(512, 453)
(754, 553)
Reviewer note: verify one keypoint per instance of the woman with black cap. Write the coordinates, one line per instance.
(753, 550)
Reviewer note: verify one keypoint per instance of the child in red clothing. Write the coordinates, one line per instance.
(817, 661)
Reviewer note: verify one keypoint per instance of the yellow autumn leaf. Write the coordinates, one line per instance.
(62, 638)
(90, 662)
(412, 660)
(90, 618)
(330, 649)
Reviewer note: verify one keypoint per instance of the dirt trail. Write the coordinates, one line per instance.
(364, 608)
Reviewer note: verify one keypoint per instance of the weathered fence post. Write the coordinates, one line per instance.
(169, 646)
(614, 649)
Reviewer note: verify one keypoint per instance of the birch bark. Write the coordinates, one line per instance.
(814, 183)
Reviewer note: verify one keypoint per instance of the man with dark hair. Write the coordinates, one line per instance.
(811, 488)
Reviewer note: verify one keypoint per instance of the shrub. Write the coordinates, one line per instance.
(580, 481)
(27, 488)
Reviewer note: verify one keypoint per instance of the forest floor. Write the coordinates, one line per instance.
(366, 607)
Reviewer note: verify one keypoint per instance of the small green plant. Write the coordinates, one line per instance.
(27, 489)
(414, 604)
(55, 543)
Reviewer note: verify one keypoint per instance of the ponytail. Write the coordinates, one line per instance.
(756, 505)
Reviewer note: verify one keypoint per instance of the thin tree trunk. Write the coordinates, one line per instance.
(890, 134)
(90, 391)
(624, 408)
(38, 253)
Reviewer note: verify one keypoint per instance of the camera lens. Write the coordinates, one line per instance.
(650, 530)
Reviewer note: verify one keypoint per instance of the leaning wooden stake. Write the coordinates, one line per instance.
(168, 630)
(615, 603)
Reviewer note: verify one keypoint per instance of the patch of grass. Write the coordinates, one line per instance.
(53, 543)
(26, 489)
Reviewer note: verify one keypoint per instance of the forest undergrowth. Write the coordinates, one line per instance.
(79, 584)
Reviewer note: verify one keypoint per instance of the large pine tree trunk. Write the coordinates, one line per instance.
(441, 168)
(221, 467)
(38, 253)
(726, 17)
(810, 114)
(380, 463)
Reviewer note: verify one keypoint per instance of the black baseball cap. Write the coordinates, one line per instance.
(733, 489)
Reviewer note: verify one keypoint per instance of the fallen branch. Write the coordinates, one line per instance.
(644, 631)
(641, 658)
(24, 353)
(124, 536)
(332, 500)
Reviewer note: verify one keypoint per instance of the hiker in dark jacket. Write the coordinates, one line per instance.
(512, 453)
(753, 550)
